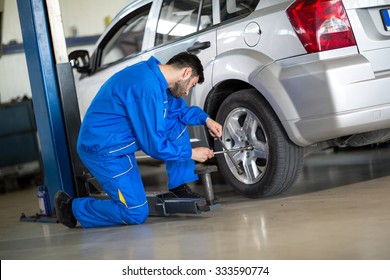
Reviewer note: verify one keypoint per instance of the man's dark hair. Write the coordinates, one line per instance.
(186, 59)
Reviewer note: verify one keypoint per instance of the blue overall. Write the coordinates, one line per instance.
(134, 110)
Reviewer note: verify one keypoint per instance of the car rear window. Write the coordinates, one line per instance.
(234, 8)
(179, 18)
(126, 38)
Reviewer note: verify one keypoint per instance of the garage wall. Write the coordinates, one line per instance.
(81, 18)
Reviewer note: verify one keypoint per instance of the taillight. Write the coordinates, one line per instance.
(321, 24)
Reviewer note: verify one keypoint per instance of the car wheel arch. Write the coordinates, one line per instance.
(254, 67)
(256, 70)
(225, 88)
(220, 92)
(239, 64)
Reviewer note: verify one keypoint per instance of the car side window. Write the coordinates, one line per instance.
(127, 38)
(179, 18)
(234, 8)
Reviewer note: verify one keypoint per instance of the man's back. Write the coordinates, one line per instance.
(106, 125)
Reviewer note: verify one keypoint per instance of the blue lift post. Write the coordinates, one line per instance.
(49, 80)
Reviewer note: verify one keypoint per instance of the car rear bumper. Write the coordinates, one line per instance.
(331, 98)
(308, 131)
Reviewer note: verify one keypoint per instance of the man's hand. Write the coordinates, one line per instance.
(201, 154)
(215, 128)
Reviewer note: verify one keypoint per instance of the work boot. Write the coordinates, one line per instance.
(184, 191)
(63, 204)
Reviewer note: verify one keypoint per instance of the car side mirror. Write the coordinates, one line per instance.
(80, 60)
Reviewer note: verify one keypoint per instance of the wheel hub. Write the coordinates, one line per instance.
(244, 135)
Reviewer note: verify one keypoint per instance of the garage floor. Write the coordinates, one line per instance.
(338, 209)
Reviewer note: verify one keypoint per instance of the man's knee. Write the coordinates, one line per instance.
(136, 216)
(141, 215)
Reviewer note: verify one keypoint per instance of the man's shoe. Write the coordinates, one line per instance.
(184, 191)
(63, 204)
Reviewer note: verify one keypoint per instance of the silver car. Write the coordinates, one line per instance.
(283, 77)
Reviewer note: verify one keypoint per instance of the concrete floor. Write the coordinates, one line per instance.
(338, 209)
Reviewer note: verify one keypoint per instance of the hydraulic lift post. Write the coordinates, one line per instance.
(46, 97)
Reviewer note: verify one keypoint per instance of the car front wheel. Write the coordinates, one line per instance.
(260, 147)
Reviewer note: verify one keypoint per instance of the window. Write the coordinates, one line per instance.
(179, 18)
(234, 8)
(128, 37)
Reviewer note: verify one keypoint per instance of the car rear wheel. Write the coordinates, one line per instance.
(271, 162)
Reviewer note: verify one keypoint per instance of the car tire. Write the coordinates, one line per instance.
(272, 162)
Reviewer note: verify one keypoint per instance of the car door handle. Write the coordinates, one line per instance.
(199, 46)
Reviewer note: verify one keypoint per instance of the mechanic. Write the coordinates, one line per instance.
(138, 108)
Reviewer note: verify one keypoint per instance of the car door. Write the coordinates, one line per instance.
(120, 46)
(185, 25)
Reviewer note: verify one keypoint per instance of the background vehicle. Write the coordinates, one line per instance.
(286, 77)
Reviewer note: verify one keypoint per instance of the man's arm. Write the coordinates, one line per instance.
(189, 115)
(196, 116)
(146, 112)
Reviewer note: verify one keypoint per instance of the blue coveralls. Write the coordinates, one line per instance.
(134, 110)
